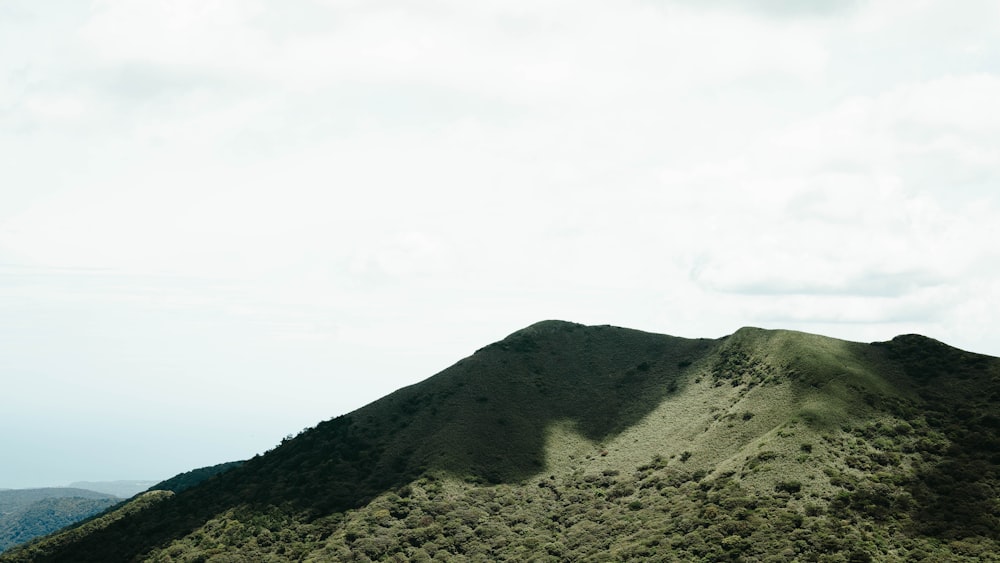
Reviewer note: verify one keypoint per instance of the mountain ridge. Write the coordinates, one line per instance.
(820, 430)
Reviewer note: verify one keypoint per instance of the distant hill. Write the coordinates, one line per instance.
(122, 489)
(28, 513)
(566, 442)
(12, 500)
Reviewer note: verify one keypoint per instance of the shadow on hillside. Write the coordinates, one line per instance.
(489, 419)
(956, 488)
(957, 493)
(484, 419)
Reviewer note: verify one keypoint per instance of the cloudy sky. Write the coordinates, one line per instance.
(222, 221)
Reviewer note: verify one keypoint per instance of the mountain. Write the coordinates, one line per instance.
(123, 489)
(566, 442)
(29, 513)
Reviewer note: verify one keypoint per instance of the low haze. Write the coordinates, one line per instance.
(224, 221)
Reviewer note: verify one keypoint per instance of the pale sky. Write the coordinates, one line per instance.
(222, 221)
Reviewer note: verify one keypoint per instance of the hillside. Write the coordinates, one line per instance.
(568, 442)
(29, 513)
(188, 479)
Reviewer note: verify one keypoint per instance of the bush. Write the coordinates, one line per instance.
(788, 487)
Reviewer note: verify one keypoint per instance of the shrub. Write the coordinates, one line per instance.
(788, 486)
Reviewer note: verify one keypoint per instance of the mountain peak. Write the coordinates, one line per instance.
(547, 327)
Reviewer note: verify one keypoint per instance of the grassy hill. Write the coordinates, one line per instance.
(568, 442)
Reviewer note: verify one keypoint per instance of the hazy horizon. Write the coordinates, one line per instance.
(223, 222)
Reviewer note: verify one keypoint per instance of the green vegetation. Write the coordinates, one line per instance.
(565, 442)
(30, 513)
(60, 546)
(46, 516)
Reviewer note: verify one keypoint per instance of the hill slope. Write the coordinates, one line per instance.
(567, 442)
(189, 479)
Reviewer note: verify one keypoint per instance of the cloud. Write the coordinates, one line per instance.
(211, 34)
(781, 8)
(686, 153)
(514, 109)
(526, 54)
(855, 214)
(365, 191)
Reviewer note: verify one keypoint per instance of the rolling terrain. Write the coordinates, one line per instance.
(29, 513)
(566, 442)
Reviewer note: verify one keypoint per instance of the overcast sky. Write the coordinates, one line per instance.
(222, 221)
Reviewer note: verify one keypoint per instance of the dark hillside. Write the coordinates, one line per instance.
(189, 479)
(957, 484)
(569, 442)
(488, 417)
(485, 418)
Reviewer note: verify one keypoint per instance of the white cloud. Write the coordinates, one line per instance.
(212, 33)
(339, 181)
(580, 101)
(531, 54)
(949, 103)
